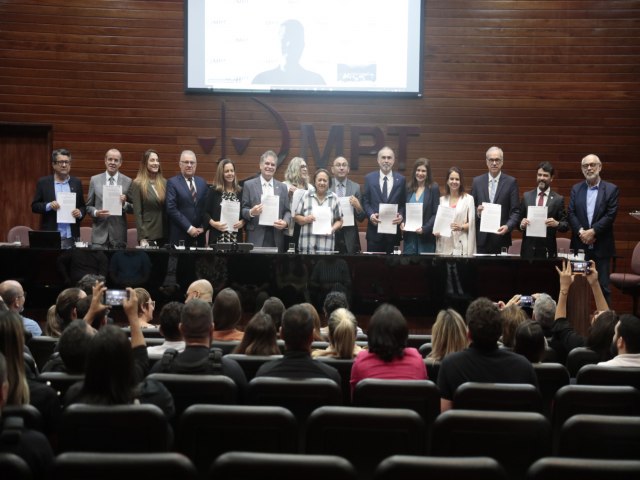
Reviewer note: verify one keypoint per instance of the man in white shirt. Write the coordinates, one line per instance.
(626, 342)
(169, 322)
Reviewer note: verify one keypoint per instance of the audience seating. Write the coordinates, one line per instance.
(551, 377)
(579, 357)
(343, 365)
(42, 348)
(365, 436)
(282, 466)
(600, 436)
(550, 355)
(629, 283)
(251, 363)
(439, 468)
(188, 390)
(433, 367)
(12, 467)
(425, 349)
(21, 233)
(554, 468)
(516, 397)
(603, 375)
(60, 381)
(114, 428)
(514, 439)
(206, 431)
(149, 332)
(416, 340)
(30, 415)
(227, 346)
(110, 466)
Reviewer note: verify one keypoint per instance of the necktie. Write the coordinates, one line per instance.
(266, 188)
(341, 189)
(541, 199)
(385, 193)
(192, 189)
(492, 189)
(111, 181)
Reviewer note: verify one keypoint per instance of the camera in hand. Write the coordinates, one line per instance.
(526, 301)
(115, 298)
(580, 266)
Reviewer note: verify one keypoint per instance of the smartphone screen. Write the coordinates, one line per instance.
(115, 297)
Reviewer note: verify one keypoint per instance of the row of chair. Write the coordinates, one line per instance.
(21, 233)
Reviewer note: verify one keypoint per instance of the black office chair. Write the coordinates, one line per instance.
(60, 381)
(433, 367)
(227, 346)
(114, 428)
(604, 375)
(425, 349)
(555, 468)
(251, 363)
(42, 348)
(415, 340)
(551, 377)
(439, 468)
(600, 436)
(30, 415)
(110, 466)
(511, 397)
(12, 467)
(206, 431)
(343, 365)
(245, 465)
(365, 436)
(579, 357)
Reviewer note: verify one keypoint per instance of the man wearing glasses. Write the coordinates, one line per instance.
(45, 201)
(593, 207)
(499, 188)
(186, 194)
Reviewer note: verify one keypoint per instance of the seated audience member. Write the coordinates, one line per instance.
(448, 335)
(169, 329)
(601, 332)
(273, 307)
(30, 445)
(72, 349)
(564, 338)
(297, 333)
(317, 335)
(227, 312)
(529, 341)
(88, 281)
(512, 317)
(146, 306)
(333, 301)
(97, 318)
(259, 337)
(388, 355)
(65, 311)
(200, 289)
(482, 361)
(14, 298)
(196, 326)
(626, 343)
(342, 336)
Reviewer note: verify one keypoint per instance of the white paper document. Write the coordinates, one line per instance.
(536, 216)
(414, 216)
(111, 199)
(322, 223)
(387, 214)
(230, 214)
(444, 219)
(67, 202)
(348, 220)
(269, 215)
(490, 219)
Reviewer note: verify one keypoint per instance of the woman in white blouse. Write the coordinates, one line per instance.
(463, 228)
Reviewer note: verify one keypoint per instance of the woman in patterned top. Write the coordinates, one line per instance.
(225, 188)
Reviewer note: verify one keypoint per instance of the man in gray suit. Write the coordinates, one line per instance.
(347, 238)
(252, 206)
(109, 230)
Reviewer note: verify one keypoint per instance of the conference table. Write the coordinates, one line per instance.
(419, 285)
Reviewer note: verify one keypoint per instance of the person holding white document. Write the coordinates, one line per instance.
(462, 236)
(556, 221)
(224, 189)
(422, 191)
(319, 216)
(348, 192)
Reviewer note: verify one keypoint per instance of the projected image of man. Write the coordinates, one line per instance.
(289, 71)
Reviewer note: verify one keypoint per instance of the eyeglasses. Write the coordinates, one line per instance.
(187, 163)
(63, 162)
(586, 166)
(494, 160)
(152, 303)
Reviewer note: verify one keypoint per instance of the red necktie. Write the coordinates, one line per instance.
(541, 199)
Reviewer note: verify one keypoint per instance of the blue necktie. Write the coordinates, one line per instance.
(385, 193)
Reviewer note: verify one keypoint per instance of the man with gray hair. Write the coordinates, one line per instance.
(14, 297)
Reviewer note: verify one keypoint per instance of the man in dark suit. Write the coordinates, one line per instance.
(383, 186)
(593, 207)
(543, 247)
(500, 188)
(109, 230)
(45, 199)
(347, 238)
(186, 195)
(252, 206)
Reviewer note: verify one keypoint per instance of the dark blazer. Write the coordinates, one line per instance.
(604, 215)
(372, 199)
(182, 211)
(151, 220)
(506, 195)
(251, 196)
(212, 210)
(113, 227)
(46, 193)
(350, 234)
(533, 247)
(430, 202)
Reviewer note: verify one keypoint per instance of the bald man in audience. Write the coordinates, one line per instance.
(14, 297)
(202, 290)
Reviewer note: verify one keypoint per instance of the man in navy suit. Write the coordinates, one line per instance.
(543, 247)
(186, 194)
(45, 200)
(347, 238)
(252, 206)
(500, 188)
(593, 207)
(383, 186)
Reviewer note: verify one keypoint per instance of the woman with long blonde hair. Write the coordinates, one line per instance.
(342, 336)
(147, 194)
(448, 335)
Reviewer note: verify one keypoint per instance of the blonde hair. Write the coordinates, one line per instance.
(12, 347)
(143, 181)
(143, 299)
(512, 316)
(52, 326)
(342, 332)
(449, 334)
(293, 174)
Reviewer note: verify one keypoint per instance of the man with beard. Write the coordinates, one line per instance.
(543, 247)
(626, 343)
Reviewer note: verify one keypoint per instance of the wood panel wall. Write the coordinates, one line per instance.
(545, 80)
